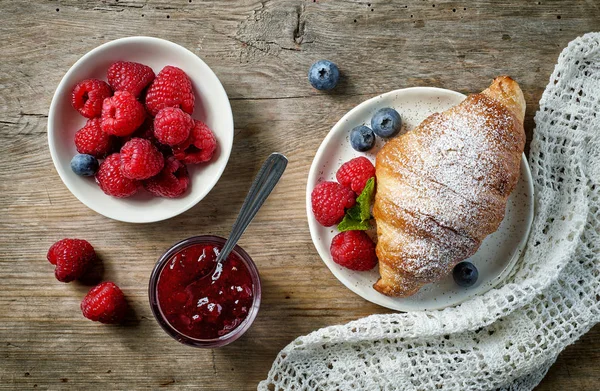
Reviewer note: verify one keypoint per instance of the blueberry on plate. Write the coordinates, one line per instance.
(465, 274)
(323, 75)
(386, 122)
(362, 138)
(85, 165)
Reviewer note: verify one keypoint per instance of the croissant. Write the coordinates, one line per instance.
(443, 187)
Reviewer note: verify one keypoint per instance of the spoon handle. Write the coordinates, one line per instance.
(263, 184)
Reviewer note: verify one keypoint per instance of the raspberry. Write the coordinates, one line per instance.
(129, 76)
(88, 96)
(329, 201)
(171, 88)
(355, 173)
(104, 303)
(172, 181)
(199, 147)
(145, 131)
(72, 258)
(172, 126)
(93, 141)
(122, 114)
(354, 250)
(140, 159)
(111, 180)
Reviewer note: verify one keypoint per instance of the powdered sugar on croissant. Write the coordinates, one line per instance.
(443, 187)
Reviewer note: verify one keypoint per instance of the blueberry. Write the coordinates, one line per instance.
(323, 75)
(85, 165)
(362, 138)
(465, 274)
(386, 122)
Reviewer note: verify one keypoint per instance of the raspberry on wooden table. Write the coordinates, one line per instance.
(140, 159)
(122, 114)
(172, 126)
(171, 88)
(129, 76)
(330, 201)
(354, 250)
(112, 181)
(355, 173)
(72, 258)
(91, 140)
(199, 147)
(104, 303)
(172, 181)
(88, 96)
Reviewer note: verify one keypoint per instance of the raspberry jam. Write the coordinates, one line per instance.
(192, 304)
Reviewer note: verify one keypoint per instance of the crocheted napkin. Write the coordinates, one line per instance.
(507, 338)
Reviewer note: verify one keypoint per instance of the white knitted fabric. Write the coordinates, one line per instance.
(507, 338)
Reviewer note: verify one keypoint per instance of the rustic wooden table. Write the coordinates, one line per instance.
(261, 51)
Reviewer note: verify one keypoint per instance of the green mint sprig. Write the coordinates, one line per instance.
(357, 217)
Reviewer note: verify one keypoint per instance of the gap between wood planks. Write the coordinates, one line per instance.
(300, 96)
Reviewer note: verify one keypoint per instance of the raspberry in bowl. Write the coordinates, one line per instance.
(111, 96)
(194, 305)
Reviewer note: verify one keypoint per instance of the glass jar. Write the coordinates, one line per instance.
(180, 336)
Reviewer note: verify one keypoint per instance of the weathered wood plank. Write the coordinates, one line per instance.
(261, 51)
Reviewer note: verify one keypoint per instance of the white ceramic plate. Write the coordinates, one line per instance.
(498, 253)
(212, 107)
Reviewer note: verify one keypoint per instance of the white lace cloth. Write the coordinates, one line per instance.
(507, 338)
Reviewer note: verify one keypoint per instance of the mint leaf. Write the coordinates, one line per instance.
(349, 224)
(364, 200)
(354, 213)
(357, 218)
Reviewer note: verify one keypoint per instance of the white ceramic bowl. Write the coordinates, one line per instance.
(212, 107)
(498, 253)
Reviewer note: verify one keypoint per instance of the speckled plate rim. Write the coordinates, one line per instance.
(313, 225)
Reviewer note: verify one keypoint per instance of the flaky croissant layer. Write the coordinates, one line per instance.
(443, 187)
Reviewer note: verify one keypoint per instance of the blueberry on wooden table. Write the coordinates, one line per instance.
(465, 274)
(323, 75)
(386, 122)
(362, 138)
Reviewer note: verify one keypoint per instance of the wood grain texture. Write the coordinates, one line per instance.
(261, 51)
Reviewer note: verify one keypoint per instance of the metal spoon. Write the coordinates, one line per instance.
(261, 187)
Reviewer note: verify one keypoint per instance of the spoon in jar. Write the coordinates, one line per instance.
(261, 187)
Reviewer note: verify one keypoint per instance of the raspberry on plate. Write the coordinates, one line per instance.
(355, 173)
(172, 181)
(140, 159)
(145, 131)
(72, 258)
(104, 303)
(172, 126)
(129, 76)
(354, 250)
(122, 114)
(88, 96)
(199, 147)
(91, 140)
(112, 181)
(171, 88)
(330, 201)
